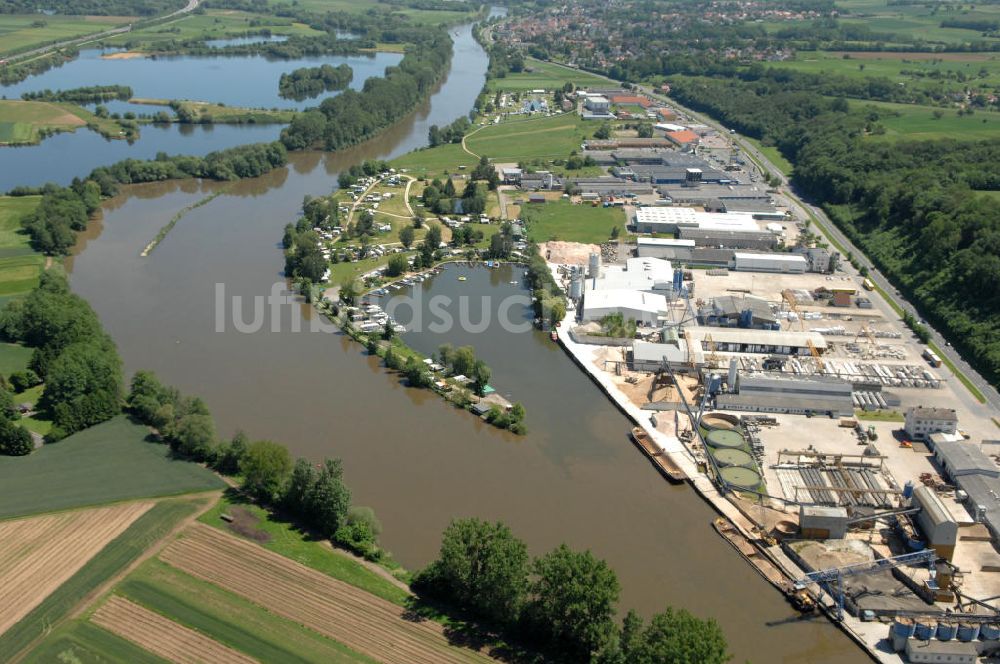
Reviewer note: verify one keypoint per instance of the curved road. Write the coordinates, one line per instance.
(831, 231)
(77, 41)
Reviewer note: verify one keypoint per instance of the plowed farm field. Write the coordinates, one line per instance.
(162, 636)
(38, 555)
(353, 617)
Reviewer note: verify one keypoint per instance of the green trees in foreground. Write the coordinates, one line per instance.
(73, 355)
(564, 601)
(314, 495)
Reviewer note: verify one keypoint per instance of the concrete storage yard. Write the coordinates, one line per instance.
(760, 468)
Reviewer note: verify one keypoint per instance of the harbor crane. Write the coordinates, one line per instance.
(832, 580)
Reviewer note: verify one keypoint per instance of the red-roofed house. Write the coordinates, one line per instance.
(631, 100)
(682, 138)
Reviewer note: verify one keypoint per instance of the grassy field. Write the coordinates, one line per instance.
(422, 16)
(213, 24)
(20, 265)
(149, 528)
(106, 463)
(228, 618)
(292, 543)
(82, 643)
(979, 69)
(919, 122)
(546, 76)
(17, 31)
(917, 21)
(21, 121)
(562, 220)
(542, 138)
(774, 156)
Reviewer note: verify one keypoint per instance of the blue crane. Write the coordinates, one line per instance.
(832, 580)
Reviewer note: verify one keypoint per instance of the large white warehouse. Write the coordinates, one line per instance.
(672, 219)
(774, 262)
(644, 308)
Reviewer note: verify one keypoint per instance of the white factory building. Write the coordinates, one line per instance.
(642, 274)
(672, 219)
(771, 262)
(644, 308)
(597, 104)
(636, 290)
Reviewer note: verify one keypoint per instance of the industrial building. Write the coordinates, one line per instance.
(744, 311)
(819, 259)
(983, 500)
(674, 219)
(641, 274)
(813, 396)
(610, 186)
(511, 175)
(936, 522)
(684, 251)
(709, 189)
(920, 422)
(649, 356)
(962, 458)
(644, 308)
(940, 652)
(765, 342)
(823, 522)
(771, 262)
(597, 104)
(733, 239)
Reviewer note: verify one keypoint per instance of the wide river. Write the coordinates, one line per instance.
(574, 478)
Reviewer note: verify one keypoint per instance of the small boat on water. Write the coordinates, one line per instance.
(463, 278)
(662, 461)
(553, 336)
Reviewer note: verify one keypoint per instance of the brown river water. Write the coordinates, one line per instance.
(575, 477)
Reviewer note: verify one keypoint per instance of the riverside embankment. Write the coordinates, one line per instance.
(575, 477)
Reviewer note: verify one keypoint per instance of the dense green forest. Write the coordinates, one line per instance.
(911, 205)
(353, 117)
(308, 82)
(94, 94)
(73, 355)
(92, 7)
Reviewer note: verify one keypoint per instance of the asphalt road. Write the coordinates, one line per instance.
(190, 7)
(830, 230)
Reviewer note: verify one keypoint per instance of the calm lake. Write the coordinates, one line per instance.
(235, 81)
(574, 478)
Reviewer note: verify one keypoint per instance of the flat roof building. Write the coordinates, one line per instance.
(648, 356)
(644, 308)
(812, 396)
(642, 274)
(714, 236)
(672, 219)
(771, 262)
(764, 342)
(959, 458)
